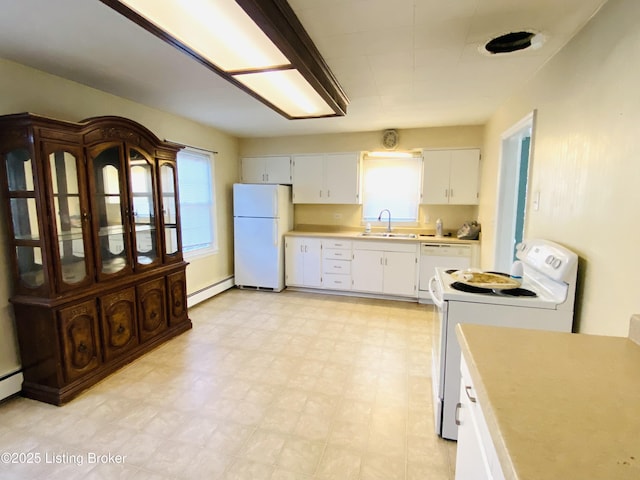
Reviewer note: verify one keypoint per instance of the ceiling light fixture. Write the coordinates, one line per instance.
(258, 45)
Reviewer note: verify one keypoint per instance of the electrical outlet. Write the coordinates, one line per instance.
(337, 216)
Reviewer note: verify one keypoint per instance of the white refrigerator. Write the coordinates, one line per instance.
(262, 214)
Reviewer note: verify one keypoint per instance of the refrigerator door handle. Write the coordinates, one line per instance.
(275, 202)
(275, 232)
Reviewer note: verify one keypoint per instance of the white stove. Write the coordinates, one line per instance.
(549, 277)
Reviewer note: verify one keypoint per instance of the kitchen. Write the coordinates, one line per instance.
(583, 165)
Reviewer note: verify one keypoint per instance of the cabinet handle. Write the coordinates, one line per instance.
(467, 389)
(451, 192)
(385, 261)
(153, 315)
(446, 193)
(381, 261)
(320, 193)
(120, 329)
(82, 348)
(457, 416)
(86, 217)
(266, 176)
(328, 193)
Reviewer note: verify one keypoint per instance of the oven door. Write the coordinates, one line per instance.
(438, 350)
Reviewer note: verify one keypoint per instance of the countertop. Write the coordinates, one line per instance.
(558, 405)
(355, 235)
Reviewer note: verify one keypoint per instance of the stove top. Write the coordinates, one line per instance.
(510, 292)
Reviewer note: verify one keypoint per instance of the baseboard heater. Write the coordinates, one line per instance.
(210, 291)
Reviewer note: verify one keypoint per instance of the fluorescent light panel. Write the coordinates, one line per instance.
(223, 34)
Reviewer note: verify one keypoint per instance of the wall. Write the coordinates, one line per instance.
(25, 89)
(585, 163)
(350, 216)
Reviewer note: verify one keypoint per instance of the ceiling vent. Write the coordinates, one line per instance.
(513, 42)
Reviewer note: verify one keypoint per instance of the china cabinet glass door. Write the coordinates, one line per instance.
(70, 218)
(24, 217)
(143, 208)
(108, 211)
(169, 209)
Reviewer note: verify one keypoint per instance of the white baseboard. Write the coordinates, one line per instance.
(10, 385)
(210, 291)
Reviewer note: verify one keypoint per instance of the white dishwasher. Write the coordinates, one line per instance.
(444, 255)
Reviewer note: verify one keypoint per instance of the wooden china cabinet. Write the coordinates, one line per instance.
(92, 220)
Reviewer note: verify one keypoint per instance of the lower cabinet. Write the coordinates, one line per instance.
(80, 346)
(68, 347)
(119, 325)
(151, 309)
(384, 267)
(476, 457)
(303, 262)
(177, 296)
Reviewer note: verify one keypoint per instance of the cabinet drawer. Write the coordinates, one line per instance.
(336, 281)
(340, 267)
(335, 254)
(337, 244)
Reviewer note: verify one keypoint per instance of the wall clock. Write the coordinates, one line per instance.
(390, 139)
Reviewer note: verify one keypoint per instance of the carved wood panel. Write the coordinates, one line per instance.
(152, 318)
(119, 326)
(78, 328)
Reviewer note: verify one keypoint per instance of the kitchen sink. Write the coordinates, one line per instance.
(388, 235)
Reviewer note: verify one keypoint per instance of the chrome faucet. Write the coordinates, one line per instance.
(380, 218)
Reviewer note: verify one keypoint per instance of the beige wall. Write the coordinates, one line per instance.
(25, 89)
(585, 163)
(350, 216)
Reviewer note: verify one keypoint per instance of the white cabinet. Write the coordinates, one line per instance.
(327, 178)
(476, 457)
(303, 262)
(275, 170)
(336, 264)
(451, 177)
(385, 267)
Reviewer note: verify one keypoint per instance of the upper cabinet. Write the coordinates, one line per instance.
(451, 177)
(327, 178)
(275, 170)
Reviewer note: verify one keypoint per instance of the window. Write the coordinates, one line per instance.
(197, 214)
(391, 182)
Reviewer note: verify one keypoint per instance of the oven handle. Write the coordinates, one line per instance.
(439, 302)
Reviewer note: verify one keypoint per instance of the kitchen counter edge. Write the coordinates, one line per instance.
(358, 236)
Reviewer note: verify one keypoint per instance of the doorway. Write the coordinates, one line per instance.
(515, 155)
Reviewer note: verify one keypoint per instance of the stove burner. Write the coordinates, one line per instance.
(511, 292)
(518, 292)
(463, 287)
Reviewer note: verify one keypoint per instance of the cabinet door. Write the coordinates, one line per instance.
(142, 188)
(172, 247)
(253, 170)
(118, 316)
(471, 459)
(278, 170)
(435, 177)
(177, 288)
(308, 174)
(20, 178)
(463, 177)
(400, 273)
(69, 214)
(109, 207)
(367, 270)
(294, 261)
(151, 309)
(341, 177)
(312, 260)
(79, 333)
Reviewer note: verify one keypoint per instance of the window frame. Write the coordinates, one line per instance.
(391, 156)
(213, 247)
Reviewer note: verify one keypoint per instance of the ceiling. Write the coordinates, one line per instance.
(402, 63)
